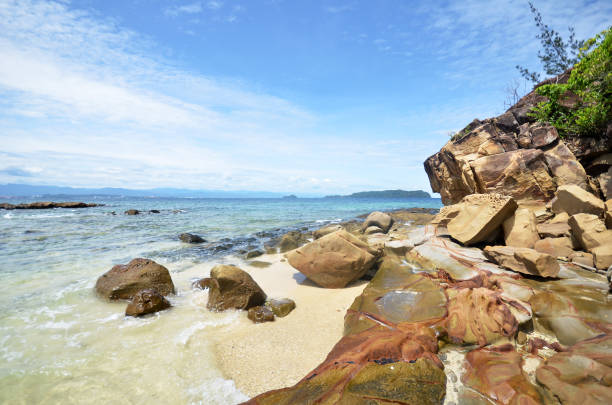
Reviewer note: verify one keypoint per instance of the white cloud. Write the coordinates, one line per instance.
(214, 5)
(339, 8)
(192, 8)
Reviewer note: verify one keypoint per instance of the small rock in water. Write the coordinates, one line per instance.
(132, 212)
(281, 307)
(146, 302)
(125, 280)
(254, 253)
(260, 314)
(154, 211)
(191, 238)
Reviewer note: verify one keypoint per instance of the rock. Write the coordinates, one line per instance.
(582, 258)
(574, 200)
(605, 183)
(260, 314)
(191, 238)
(565, 168)
(608, 216)
(125, 280)
(480, 216)
(132, 212)
(334, 260)
(445, 215)
(254, 253)
(497, 373)
(554, 230)
(478, 316)
(590, 231)
(146, 302)
(556, 247)
(522, 174)
(523, 260)
(281, 307)
(520, 229)
(319, 233)
(154, 211)
(261, 264)
(231, 288)
(602, 256)
(370, 230)
(581, 375)
(378, 219)
(292, 240)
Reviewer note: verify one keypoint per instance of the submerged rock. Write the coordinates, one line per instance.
(231, 288)
(260, 314)
(125, 280)
(146, 302)
(191, 238)
(281, 307)
(334, 260)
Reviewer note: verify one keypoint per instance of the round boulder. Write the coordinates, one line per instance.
(260, 314)
(231, 288)
(125, 280)
(146, 302)
(379, 219)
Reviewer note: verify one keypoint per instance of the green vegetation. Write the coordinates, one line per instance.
(582, 106)
(556, 55)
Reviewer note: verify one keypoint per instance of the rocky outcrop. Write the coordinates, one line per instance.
(514, 155)
(125, 280)
(191, 238)
(479, 216)
(146, 302)
(334, 260)
(231, 288)
(319, 233)
(43, 205)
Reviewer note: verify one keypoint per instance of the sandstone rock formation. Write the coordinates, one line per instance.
(523, 260)
(231, 288)
(479, 216)
(146, 302)
(125, 280)
(378, 219)
(319, 233)
(520, 230)
(574, 200)
(593, 236)
(334, 260)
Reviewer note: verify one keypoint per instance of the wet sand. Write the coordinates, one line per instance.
(263, 357)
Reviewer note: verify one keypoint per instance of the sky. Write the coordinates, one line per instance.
(303, 96)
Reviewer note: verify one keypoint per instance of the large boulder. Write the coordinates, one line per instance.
(379, 219)
(523, 260)
(520, 230)
(334, 260)
(125, 280)
(231, 288)
(480, 215)
(556, 247)
(574, 200)
(146, 302)
(590, 231)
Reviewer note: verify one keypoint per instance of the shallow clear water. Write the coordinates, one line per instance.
(59, 343)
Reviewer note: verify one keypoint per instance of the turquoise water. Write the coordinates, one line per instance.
(59, 343)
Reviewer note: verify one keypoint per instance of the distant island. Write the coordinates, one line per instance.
(290, 197)
(385, 194)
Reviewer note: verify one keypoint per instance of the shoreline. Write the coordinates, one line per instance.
(272, 355)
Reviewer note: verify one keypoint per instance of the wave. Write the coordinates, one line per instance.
(184, 336)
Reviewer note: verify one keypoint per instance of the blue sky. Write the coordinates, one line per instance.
(290, 96)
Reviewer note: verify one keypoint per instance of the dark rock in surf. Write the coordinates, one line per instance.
(146, 302)
(191, 238)
(125, 280)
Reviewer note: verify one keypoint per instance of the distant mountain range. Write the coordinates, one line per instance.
(385, 194)
(26, 190)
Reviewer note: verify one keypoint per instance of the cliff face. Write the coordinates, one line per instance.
(513, 155)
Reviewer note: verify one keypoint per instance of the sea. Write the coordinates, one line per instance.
(61, 344)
